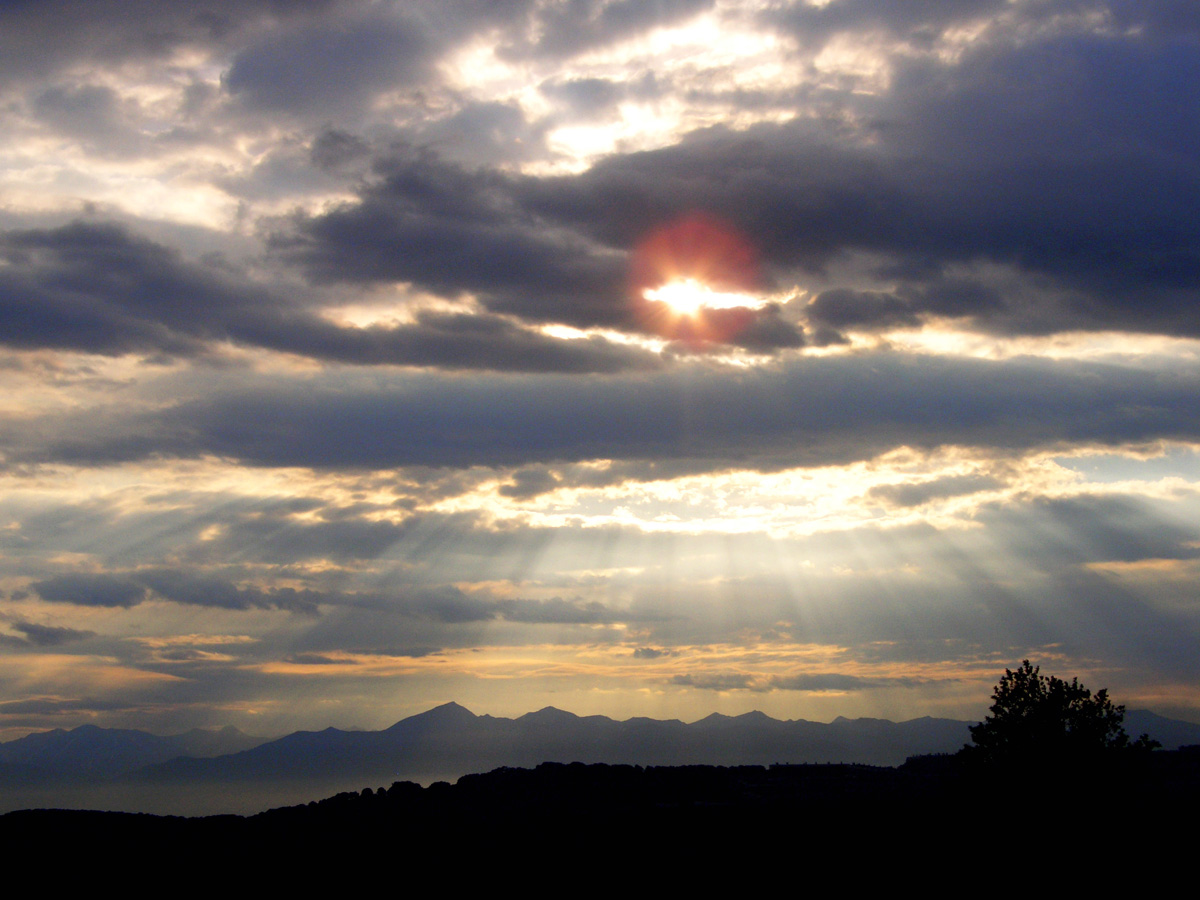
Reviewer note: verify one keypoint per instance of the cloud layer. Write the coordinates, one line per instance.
(340, 380)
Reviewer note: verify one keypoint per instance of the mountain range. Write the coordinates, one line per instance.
(228, 771)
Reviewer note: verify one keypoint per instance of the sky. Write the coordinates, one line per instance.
(635, 358)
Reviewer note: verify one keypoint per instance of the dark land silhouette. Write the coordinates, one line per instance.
(559, 813)
(1051, 770)
(217, 772)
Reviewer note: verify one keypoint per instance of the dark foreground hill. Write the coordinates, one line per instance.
(596, 820)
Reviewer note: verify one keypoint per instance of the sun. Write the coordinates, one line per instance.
(689, 296)
(695, 279)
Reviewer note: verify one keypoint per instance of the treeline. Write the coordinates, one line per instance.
(569, 811)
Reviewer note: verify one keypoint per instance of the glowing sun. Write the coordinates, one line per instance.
(689, 296)
(695, 279)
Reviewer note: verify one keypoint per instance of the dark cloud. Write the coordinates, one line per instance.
(33, 41)
(182, 655)
(50, 635)
(921, 22)
(766, 331)
(796, 196)
(99, 288)
(843, 308)
(529, 483)
(132, 588)
(337, 151)
(449, 605)
(313, 659)
(1091, 528)
(283, 540)
(723, 681)
(408, 652)
(453, 229)
(651, 653)
(91, 590)
(1059, 157)
(491, 342)
(1060, 154)
(485, 133)
(53, 706)
(585, 96)
(316, 67)
(93, 114)
(811, 411)
(559, 611)
(201, 590)
(919, 492)
(1075, 220)
(336, 65)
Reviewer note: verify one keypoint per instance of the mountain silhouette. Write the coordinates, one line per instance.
(449, 741)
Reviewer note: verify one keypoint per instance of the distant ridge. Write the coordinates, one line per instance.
(91, 751)
(448, 741)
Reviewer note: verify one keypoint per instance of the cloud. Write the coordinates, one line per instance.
(954, 179)
(33, 42)
(94, 114)
(91, 590)
(651, 653)
(530, 482)
(50, 635)
(923, 23)
(1092, 527)
(54, 706)
(98, 287)
(34, 634)
(338, 62)
(919, 492)
(451, 230)
(201, 590)
(819, 682)
(130, 589)
(313, 659)
(449, 605)
(834, 681)
(315, 67)
(723, 681)
(795, 414)
(563, 30)
(509, 464)
(559, 611)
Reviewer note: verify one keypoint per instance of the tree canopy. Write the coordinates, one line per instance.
(1037, 718)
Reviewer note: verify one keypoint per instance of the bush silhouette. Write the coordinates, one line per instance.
(1038, 719)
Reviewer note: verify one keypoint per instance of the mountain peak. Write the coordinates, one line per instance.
(755, 716)
(452, 708)
(448, 714)
(548, 715)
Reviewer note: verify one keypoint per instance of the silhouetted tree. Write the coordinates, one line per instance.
(1038, 718)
